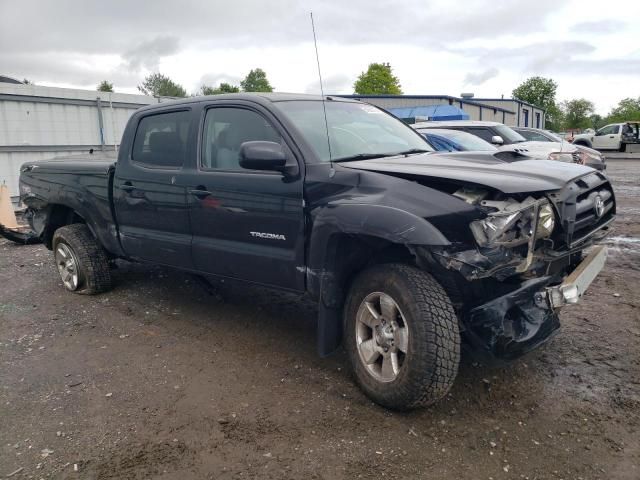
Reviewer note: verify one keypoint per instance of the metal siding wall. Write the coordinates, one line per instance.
(10, 163)
(48, 121)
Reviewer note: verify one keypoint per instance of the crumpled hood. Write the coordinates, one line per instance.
(480, 168)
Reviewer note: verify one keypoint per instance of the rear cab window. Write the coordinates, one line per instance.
(161, 140)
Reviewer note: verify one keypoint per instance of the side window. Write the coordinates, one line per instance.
(483, 133)
(161, 139)
(609, 130)
(226, 129)
(533, 136)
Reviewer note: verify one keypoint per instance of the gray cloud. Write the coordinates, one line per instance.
(535, 57)
(49, 41)
(478, 78)
(147, 54)
(64, 68)
(599, 26)
(605, 67)
(215, 79)
(554, 58)
(337, 84)
(111, 27)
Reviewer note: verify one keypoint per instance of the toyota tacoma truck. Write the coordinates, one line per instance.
(410, 254)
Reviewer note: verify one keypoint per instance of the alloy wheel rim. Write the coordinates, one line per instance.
(67, 266)
(382, 336)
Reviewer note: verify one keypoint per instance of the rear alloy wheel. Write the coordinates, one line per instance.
(82, 263)
(67, 264)
(402, 336)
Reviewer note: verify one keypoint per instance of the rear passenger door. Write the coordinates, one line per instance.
(246, 224)
(149, 195)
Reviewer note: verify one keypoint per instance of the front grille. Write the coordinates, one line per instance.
(578, 214)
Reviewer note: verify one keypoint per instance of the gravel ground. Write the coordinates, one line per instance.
(163, 378)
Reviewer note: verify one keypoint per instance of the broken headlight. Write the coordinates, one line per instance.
(546, 221)
(561, 157)
(511, 223)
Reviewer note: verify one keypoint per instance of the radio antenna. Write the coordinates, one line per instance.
(324, 108)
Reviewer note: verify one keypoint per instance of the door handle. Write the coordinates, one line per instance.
(610, 136)
(200, 193)
(127, 187)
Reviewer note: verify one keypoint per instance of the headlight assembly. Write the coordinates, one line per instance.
(512, 222)
(546, 221)
(561, 157)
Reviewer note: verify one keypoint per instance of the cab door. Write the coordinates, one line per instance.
(150, 197)
(607, 138)
(246, 224)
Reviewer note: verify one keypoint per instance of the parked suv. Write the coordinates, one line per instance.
(407, 252)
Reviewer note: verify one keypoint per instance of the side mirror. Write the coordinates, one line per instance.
(260, 155)
(497, 140)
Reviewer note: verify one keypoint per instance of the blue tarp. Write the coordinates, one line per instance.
(432, 112)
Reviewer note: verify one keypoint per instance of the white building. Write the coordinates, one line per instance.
(44, 122)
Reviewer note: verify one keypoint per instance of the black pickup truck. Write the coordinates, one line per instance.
(410, 254)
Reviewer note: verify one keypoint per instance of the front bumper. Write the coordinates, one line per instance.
(574, 286)
(513, 324)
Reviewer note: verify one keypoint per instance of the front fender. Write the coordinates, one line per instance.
(331, 254)
(378, 221)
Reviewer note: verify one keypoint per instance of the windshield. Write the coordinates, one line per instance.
(356, 130)
(463, 141)
(509, 135)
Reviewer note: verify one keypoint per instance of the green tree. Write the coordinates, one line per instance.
(26, 81)
(256, 81)
(222, 88)
(577, 113)
(105, 86)
(627, 109)
(158, 85)
(378, 80)
(596, 121)
(541, 92)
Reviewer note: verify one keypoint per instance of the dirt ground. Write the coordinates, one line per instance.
(162, 378)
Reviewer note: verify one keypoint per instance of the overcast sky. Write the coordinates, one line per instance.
(434, 46)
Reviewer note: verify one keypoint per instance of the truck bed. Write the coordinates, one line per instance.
(80, 183)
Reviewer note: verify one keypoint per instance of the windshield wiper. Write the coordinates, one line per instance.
(363, 156)
(413, 150)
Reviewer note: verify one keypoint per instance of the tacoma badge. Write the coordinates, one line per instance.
(273, 236)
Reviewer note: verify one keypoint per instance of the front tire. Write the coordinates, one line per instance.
(82, 263)
(401, 336)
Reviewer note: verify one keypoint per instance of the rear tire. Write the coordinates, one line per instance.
(416, 334)
(82, 263)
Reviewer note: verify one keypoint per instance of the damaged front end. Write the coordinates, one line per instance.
(525, 265)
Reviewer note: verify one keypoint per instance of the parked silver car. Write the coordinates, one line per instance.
(506, 138)
(591, 157)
